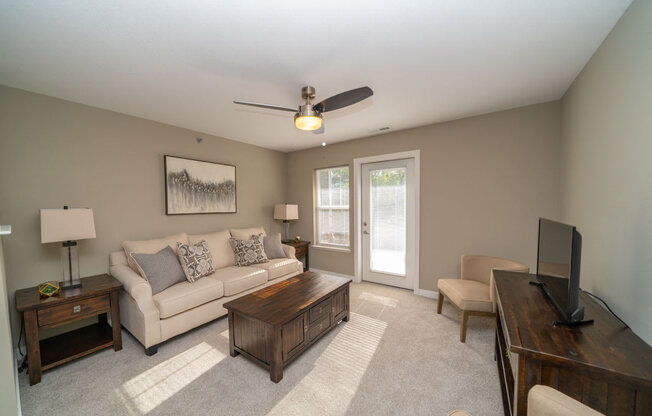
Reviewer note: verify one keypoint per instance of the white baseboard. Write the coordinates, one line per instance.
(420, 292)
(312, 269)
(426, 293)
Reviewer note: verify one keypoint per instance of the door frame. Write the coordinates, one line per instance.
(357, 208)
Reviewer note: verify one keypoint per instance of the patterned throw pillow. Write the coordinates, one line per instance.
(196, 260)
(249, 252)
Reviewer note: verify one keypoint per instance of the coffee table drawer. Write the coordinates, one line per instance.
(72, 311)
(319, 327)
(319, 311)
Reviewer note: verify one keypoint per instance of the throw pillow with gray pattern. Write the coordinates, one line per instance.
(249, 252)
(195, 260)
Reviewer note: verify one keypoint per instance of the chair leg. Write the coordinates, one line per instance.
(465, 320)
(440, 301)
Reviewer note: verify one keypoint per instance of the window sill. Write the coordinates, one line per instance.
(332, 248)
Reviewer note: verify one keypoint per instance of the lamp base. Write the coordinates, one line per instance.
(286, 223)
(68, 284)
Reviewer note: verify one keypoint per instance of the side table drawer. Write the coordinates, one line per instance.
(72, 311)
(300, 251)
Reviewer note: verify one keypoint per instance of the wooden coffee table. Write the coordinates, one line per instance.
(274, 325)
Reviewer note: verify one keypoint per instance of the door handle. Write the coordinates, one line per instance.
(365, 232)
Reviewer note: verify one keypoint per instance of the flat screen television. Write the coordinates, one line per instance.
(558, 267)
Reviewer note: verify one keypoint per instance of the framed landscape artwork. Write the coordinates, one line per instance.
(198, 187)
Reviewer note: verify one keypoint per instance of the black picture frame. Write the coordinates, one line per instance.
(194, 186)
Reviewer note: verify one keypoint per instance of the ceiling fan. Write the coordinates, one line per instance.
(308, 116)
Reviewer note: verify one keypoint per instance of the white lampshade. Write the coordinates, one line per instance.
(286, 212)
(67, 224)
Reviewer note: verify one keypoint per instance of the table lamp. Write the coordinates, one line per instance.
(286, 212)
(67, 226)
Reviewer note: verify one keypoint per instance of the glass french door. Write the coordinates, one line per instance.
(388, 200)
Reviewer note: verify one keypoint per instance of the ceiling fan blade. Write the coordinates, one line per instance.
(344, 99)
(270, 106)
(320, 130)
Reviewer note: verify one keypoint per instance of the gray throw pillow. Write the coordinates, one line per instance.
(161, 269)
(273, 246)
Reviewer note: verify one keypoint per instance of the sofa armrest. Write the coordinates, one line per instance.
(136, 287)
(290, 252)
(138, 312)
(546, 401)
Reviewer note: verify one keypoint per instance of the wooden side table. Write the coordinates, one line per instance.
(97, 296)
(302, 251)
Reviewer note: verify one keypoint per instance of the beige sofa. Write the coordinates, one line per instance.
(179, 308)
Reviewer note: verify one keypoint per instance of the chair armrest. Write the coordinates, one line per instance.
(492, 280)
(290, 252)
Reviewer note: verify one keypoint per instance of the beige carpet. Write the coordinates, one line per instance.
(395, 356)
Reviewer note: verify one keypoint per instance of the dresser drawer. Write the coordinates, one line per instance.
(73, 311)
(318, 327)
(319, 311)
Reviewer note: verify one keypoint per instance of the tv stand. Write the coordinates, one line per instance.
(604, 365)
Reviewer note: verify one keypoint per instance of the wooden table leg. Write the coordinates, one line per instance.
(115, 321)
(276, 364)
(307, 259)
(347, 305)
(33, 347)
(232, 350)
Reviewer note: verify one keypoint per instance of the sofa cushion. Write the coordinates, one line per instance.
(161, 269)
(196, 260)
(151, 247)
(186, 295)
(246, 233)
(280, 267)
(468, 295)
(238, 279)
(250, 251)
(218, 245)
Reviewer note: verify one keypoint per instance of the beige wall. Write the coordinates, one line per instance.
(484, 182)
(55, 153)
(8, 388)
(607, 167)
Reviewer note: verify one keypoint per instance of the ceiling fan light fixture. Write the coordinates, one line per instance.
(308, 122)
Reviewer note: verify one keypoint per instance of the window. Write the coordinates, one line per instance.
(332, 216)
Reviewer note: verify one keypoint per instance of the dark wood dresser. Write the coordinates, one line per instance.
(604, 365)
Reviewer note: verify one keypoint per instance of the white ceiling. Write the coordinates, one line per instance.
(184, 62)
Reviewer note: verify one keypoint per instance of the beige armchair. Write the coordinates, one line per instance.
(474, 293)
(546, 401)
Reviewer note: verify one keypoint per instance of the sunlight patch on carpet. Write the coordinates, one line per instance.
(149, 389)
(331, 385)
(383, 300)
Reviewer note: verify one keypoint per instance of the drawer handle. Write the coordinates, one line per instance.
(305, 328)
(76, 309)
